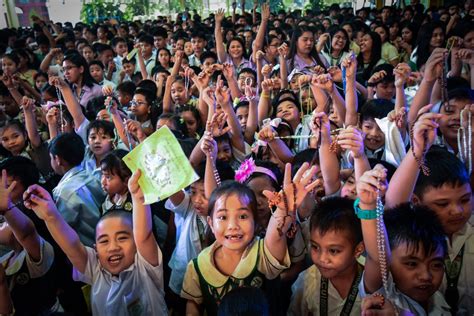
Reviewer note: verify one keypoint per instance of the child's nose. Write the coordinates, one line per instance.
(425, 275)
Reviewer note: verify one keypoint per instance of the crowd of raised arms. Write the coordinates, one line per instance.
(333, 148)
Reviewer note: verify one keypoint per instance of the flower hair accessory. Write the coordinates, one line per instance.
(248, 167)
(245, 170)
(238, 100)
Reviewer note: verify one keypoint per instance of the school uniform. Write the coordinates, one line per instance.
(138, 290)
(205, 284)
(192, 229)
(437, 305)
(461, 252)
(307, 296)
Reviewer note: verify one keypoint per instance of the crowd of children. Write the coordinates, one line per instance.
(333, 148)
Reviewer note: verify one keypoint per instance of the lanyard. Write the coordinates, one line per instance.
(350, 300)
(201, 230)
(453, 270)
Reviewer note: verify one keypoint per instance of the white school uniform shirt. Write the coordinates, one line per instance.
(138, 290)
(306, 293)
(466, 278)
(437, 305)
(188, 244)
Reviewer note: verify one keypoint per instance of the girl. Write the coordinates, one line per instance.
(100, 140)
(41, 80)
(235, 53)
(144, 110)
(237, 258)
(369, 57)
(88, 53)
(114, 179)
(431, 36)
(25, 67)
(303, 55)
(76, 72)
(389, 52)
(406, 44)
(163, 58)
(350, 32)
(334, 46)
(192, 118)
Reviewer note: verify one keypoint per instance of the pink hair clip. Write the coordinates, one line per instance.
(246, 169)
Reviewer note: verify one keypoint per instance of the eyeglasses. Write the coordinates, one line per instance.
(137, 103)
(67, 68)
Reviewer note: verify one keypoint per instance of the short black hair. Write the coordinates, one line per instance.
(69, 147)
(117, 40)
(124, 215)
(127, 87)
(100, 48)
(104, 126)
(199, 33)
(376, 108)
(159, 32)
(445, 168)
(207, 54)
(114, 164)
(336, 213)
(22, 169)
(415, 225)
(389, 77)
(146, 39)
(98, 63)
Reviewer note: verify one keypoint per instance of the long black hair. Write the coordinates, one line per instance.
(375, 55)
(425, 34)
(77, 60)
(297, 33)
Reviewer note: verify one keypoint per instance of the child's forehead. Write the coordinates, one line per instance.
(112, 225)
(232, 201)
(331, 235)
(414, 249)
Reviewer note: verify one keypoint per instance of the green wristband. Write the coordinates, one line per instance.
(364, 214)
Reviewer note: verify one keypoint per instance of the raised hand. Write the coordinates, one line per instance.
(352, 139)
(402, 72)
(222, 93)
(376, 77)
(434, 64)
(217, 123)
(283, 50)
(267, 70)
(398, 116)
(336, 73)
(134, 187)
(5, 192)
(228, 70)
(350, 63)
(259, 55)
(40, 201)
(134, 128)
(52, 116)
(107, 90)
(220, 14)
(27, 104)
(265, 11)
(370, 184)
(267, 133)
(57, 82)
(209, 146)
(466, 55)
(324, 82)
(424, 130)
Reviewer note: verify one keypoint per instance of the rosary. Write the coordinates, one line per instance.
(464, 138)
(274, 201)
(61, 118)
(381, 242)
(420, 160)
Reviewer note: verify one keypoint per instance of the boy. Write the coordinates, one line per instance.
(207, 59)
(125, 92)
(119, 44)
(105, 54)
(330, 286)
(96, 68)
(146, 42)
(125, 270)
(447, 191)
(199, 43)
(415, 251)
(129, 73)
(160, 38)
(78, 195)
(381, 84)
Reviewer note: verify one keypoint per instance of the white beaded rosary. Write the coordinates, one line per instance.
(464, 139)
(61, 118)
(381, 242)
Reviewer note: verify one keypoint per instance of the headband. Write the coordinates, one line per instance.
(248, 167)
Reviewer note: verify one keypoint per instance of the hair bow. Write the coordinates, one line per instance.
(51, 104)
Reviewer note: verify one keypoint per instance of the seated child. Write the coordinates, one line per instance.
(29, 263)
(415, 251)
(78, 195)
(125, 270)
(238, 258)
(330, 286)
(97, 70)
(114, 179)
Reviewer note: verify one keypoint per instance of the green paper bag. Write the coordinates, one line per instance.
(165, 168)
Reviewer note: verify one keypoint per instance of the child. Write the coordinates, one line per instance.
(41, 80)
(142, 107)
(237, 258)
(28, 264)
(125, 271)
(192, 118)
(447, 191)
(101, 141)
(330, 286)
(415, 249)
(125, 92)
(129, 71)
(199, 43)
(97, 70)
(78, 195)
(146, 43)
(115, 176)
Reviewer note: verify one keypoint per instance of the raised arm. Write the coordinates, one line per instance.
(367, 190)
(39, 200)
(258, 42)
(228, 72)
(350, 64)
(404, 179)
(401, 72)
(70, 99)
(168, 106)
(352, 139)
(325, 84)
(433, 70)
(220, 49)
(48, 58)
(294, 191)
(21, 226)
(141, 62)
(209, 148)
(278, 146)
(252, 121)
(145, 241)
(264, 101)
(282, 54)
(30, 122)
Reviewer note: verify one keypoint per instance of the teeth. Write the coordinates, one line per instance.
(234, 237)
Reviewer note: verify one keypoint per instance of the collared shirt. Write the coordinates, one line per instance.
(138, 290)
(301, 65)
(188, 244)
(244, 63)
(87, 93)
(437, 305)
(194, 61)
(305, 298)
(266, 264)
(79, 197)
(464, 237)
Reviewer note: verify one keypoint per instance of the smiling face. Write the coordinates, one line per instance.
(288, 111)
(232, 222)
(374, 137)
(416, 274)
(366, 43)
(333, 252)
(235, 49)
(450, 123)
(437, 38)
(339, 40)
(115, 245)
(13, 139)
(452, 204)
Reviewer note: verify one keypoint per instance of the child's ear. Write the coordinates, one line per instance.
(359, 249)
(415, 199)
(209, 222)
